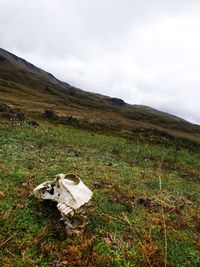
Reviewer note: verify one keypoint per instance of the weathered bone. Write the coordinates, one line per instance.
(68, 191)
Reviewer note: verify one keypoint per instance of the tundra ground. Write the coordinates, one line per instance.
(144, 211)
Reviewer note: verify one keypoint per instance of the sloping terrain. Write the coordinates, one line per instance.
(145, 207)
(144, 211)
(31, 89)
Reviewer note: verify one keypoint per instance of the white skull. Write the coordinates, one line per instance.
(67, 190)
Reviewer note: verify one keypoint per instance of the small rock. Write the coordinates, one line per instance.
(59, 264)
(19, 206)
(2, 195)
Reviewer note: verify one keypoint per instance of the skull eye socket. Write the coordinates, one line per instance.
(51, 191)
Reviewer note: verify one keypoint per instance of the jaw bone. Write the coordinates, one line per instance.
(69, 192)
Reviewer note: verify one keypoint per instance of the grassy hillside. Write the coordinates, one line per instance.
(144, 212)
(24, 86)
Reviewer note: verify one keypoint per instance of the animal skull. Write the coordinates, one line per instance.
(68, 191)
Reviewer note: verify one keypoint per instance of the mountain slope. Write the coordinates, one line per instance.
(29, 88)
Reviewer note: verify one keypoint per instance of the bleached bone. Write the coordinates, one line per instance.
(68, 191)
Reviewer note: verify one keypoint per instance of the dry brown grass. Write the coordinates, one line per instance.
(25, 86)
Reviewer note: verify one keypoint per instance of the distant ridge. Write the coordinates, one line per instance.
(30, 88)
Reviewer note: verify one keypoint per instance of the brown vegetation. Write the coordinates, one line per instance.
(28, 88)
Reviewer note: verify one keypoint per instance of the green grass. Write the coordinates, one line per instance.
(121, 231)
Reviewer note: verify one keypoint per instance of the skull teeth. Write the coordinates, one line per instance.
(69, 192)
(64, 209)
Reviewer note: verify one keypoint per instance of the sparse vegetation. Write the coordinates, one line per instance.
(125, 218)
(26, 88)
(143, 166)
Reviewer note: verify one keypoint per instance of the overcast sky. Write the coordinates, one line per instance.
(143, 51)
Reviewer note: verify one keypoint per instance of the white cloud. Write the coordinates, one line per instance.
(146, 52)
